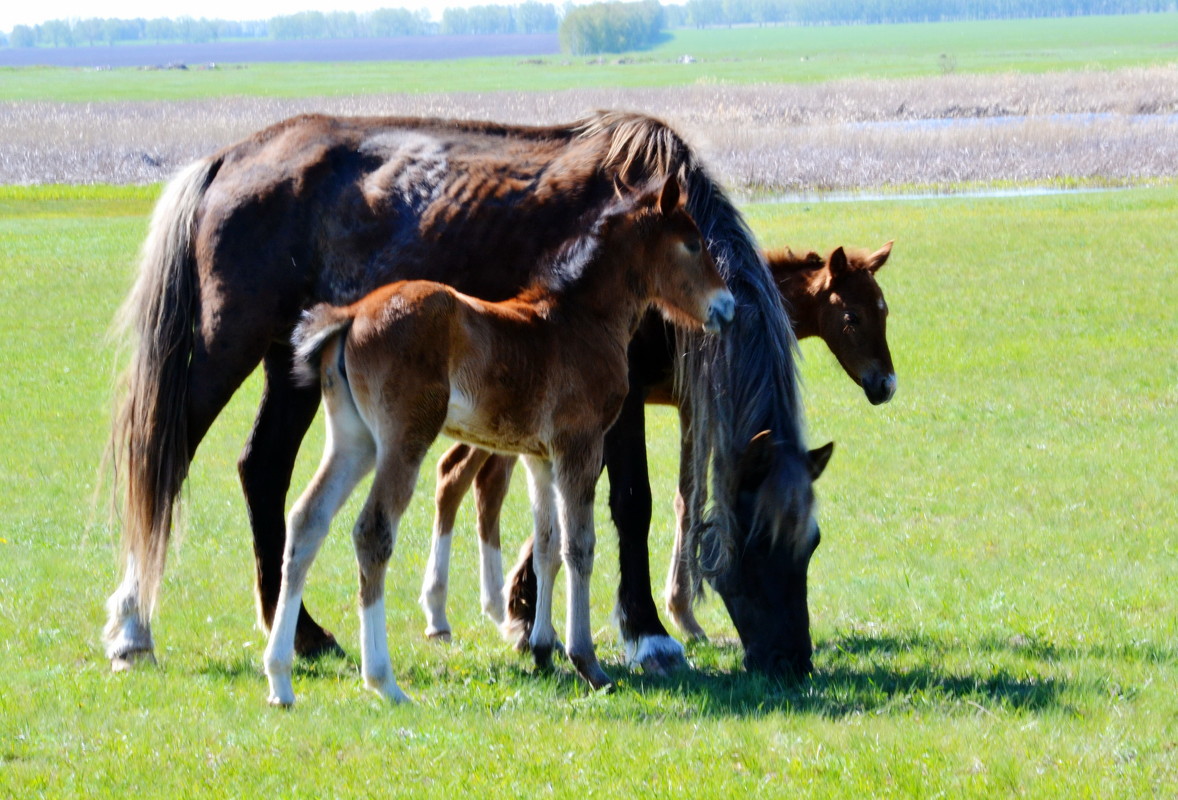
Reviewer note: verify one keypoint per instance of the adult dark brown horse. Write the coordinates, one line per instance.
(836, 298)
(323, 209)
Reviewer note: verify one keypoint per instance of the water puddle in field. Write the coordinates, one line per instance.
(967, 123)
(948, 194)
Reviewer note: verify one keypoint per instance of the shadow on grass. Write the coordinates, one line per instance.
(858, 674)
(854, 674)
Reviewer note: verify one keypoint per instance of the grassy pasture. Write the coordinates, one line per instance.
(723, 56)
(993, 605)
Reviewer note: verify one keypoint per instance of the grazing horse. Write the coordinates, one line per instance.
(542, 374)
(836, 298)
(326, 209)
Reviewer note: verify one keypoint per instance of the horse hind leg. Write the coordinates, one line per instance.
(375, 536)
(349, 455)
(210, 382)
(264, 467)
(491, 485)
(456, 471)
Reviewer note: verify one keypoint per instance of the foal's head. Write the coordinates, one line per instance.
(667, 253)
(850, 313)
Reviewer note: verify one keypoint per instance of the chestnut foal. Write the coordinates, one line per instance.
(836, 298)
(542, 375)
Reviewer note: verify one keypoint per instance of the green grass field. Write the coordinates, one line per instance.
(994, 606)
(742, 55)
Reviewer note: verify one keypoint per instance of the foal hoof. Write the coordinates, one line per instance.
(594, 675)
(438, 636)
(317, 645)
(126, 662)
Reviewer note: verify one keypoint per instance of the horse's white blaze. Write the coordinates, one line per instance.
(374, 654)
(491, 583)
(433, 588)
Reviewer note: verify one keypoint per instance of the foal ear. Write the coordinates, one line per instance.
(837, 261)
(670, 195)
(819, 457)
(879, 257)
(756, 460)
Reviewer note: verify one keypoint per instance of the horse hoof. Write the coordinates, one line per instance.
(542, 655)
(281, 702)
(318, 646)
(657, 655)
(129, 661)
(438, 636)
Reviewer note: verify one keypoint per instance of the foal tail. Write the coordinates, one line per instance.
(149, 443)
(318, 326)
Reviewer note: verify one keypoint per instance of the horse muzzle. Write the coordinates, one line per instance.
(879, 387)
(721, 311)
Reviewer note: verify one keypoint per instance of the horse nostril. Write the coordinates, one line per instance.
(721, 311)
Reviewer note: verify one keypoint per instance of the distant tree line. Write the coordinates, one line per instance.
(710, 13)
(595, 28)
(611, 27)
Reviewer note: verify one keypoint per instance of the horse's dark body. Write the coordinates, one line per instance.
(321, 209)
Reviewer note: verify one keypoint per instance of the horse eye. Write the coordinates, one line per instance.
(850, 318)
(692, 246)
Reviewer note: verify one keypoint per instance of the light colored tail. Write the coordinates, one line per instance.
(149, 440)
(317, 327)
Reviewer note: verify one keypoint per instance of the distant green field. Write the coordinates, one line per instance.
(993, 604)
(736, 55)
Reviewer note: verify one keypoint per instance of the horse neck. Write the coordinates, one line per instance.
(803, 297)
(610, 290)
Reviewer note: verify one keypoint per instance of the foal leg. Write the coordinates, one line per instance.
(644, 638)
(265, 467)
(680, 591)
(490, 490)
(545, 561)
(577, 468)
(375, 536)
(456, 471)
(348, 456)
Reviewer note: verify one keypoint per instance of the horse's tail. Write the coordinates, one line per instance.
(318, 326)
(520, 595)
(149, 445)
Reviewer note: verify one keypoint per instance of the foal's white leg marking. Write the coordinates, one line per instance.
(433, 588)
(575, 483)
(545, 551)
(375, 665)
(347, 456)
(491, 582)
(127, 632)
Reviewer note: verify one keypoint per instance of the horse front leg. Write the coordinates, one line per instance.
(265, 468)
(681, 586)
(490, 491)
(577, 469)
(457, 469)
(644, 638)
(545, 563)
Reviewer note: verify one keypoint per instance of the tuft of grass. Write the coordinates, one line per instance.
(992, 604)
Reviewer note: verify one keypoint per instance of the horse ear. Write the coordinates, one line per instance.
(756, 460)
(669, 197)
(879, 257)
(819, 457)
(837, 261)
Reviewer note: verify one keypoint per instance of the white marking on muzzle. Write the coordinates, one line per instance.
(721, 311)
